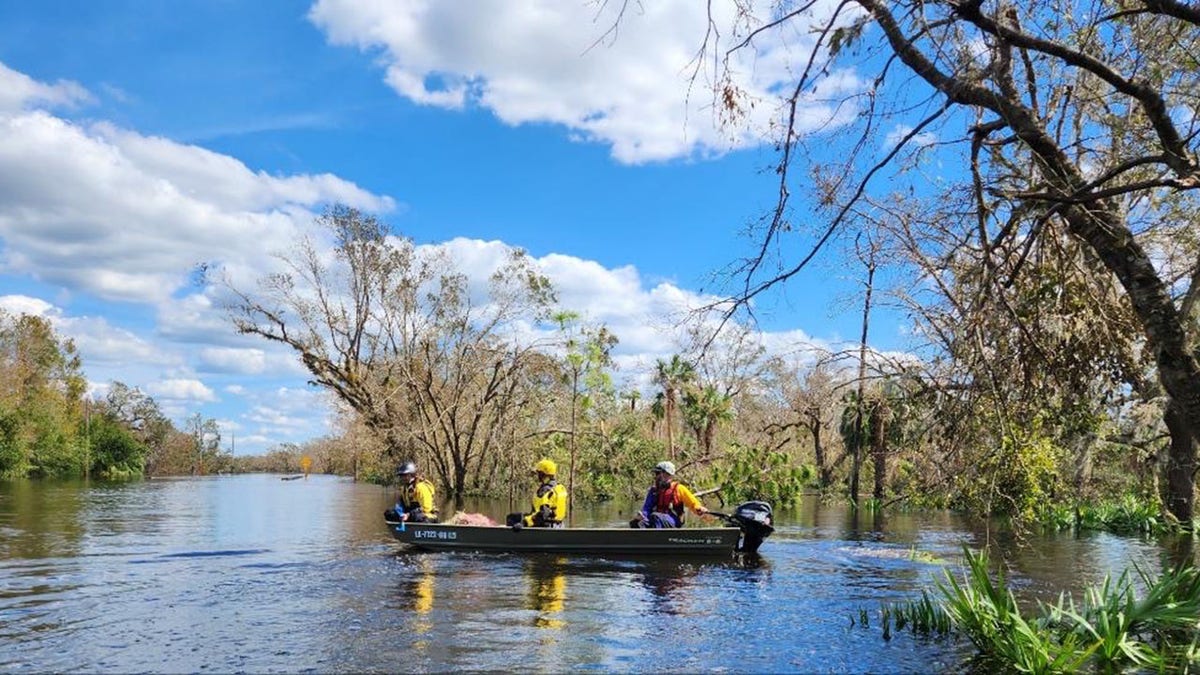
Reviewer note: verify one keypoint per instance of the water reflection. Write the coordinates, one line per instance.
(40, 520)
(416, 597)
(1179, 551)
(668, 583)
(254, 574)
(422, 595)
(547, 590)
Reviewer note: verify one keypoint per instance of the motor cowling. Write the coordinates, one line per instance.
(755, 521)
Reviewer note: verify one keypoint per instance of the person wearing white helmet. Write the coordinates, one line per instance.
(666, 500)
(549, 500)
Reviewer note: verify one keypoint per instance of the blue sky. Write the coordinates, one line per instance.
(141, 138)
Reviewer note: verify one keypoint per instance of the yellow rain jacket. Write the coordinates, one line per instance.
(419, 495)
(549, 506)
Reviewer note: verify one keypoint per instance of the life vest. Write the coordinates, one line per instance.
(667, 500)
(408, 496)
(545, 505)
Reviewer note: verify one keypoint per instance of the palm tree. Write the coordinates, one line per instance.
(634, 396)
(705, 411)
(673, 376)
(658, 410)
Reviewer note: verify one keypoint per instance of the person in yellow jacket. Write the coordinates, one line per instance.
(549, 501)
(415, 503)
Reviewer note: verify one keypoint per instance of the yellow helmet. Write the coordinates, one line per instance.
(546, 466)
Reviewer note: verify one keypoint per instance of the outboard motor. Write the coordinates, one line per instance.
(754, 519)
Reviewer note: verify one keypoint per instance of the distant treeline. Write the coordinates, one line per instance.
(50, 428)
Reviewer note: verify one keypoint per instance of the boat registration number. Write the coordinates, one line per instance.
(434, 534)
(707, 541)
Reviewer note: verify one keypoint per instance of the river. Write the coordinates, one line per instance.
(256, 574)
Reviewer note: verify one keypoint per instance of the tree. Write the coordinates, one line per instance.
(704, 410)
(41, 398)
(868, 261)
(1057, 347)
(588, 359)
(1061, 115)
(633, 396)
(432, 365)
(812, 403)
(674, 377)
(115, 451)
(141, 414)
(206, 455)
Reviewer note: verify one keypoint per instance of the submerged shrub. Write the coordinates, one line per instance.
(1113, 629)
(1128, 515)
(1014, 479)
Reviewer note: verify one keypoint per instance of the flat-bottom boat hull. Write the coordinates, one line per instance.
(441, 537)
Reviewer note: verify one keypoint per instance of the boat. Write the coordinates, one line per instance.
(744, 531)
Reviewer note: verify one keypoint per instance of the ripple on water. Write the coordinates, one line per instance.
(254, 574)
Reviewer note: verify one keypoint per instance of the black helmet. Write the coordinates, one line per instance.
(406, 468)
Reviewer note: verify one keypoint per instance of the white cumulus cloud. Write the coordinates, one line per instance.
(18, 91)
(621, 73)
(182, 389)
(23, 304)
(233, 360)
(106, 211)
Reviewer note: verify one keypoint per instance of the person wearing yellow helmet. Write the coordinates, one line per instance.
(549, 500)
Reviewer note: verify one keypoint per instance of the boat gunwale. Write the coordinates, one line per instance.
(500, 538)
(616, 528)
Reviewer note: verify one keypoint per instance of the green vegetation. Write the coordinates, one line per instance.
(1043, 247)
(1144, 622)
(754, 473)
(1128, 515)
(41, 416)
(475, 392)
(50, 429)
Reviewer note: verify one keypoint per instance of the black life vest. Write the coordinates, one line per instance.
(544, 512)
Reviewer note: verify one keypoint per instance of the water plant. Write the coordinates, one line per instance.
(917, 555)
(1127, 515)
(1114, 628)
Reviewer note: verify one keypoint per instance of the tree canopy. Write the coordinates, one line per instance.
(1044, 149)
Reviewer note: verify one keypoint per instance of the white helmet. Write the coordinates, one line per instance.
(666, 467)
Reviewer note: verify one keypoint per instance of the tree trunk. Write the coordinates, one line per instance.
(856, 459)
(1180, 497)
(856, 466)
(824, 473)
(571, 466)
(1098, 223)
(1085, 445)
(670, 412)
(460, 482)
(879, 448)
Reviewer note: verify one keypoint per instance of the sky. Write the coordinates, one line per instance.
(141, 139)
